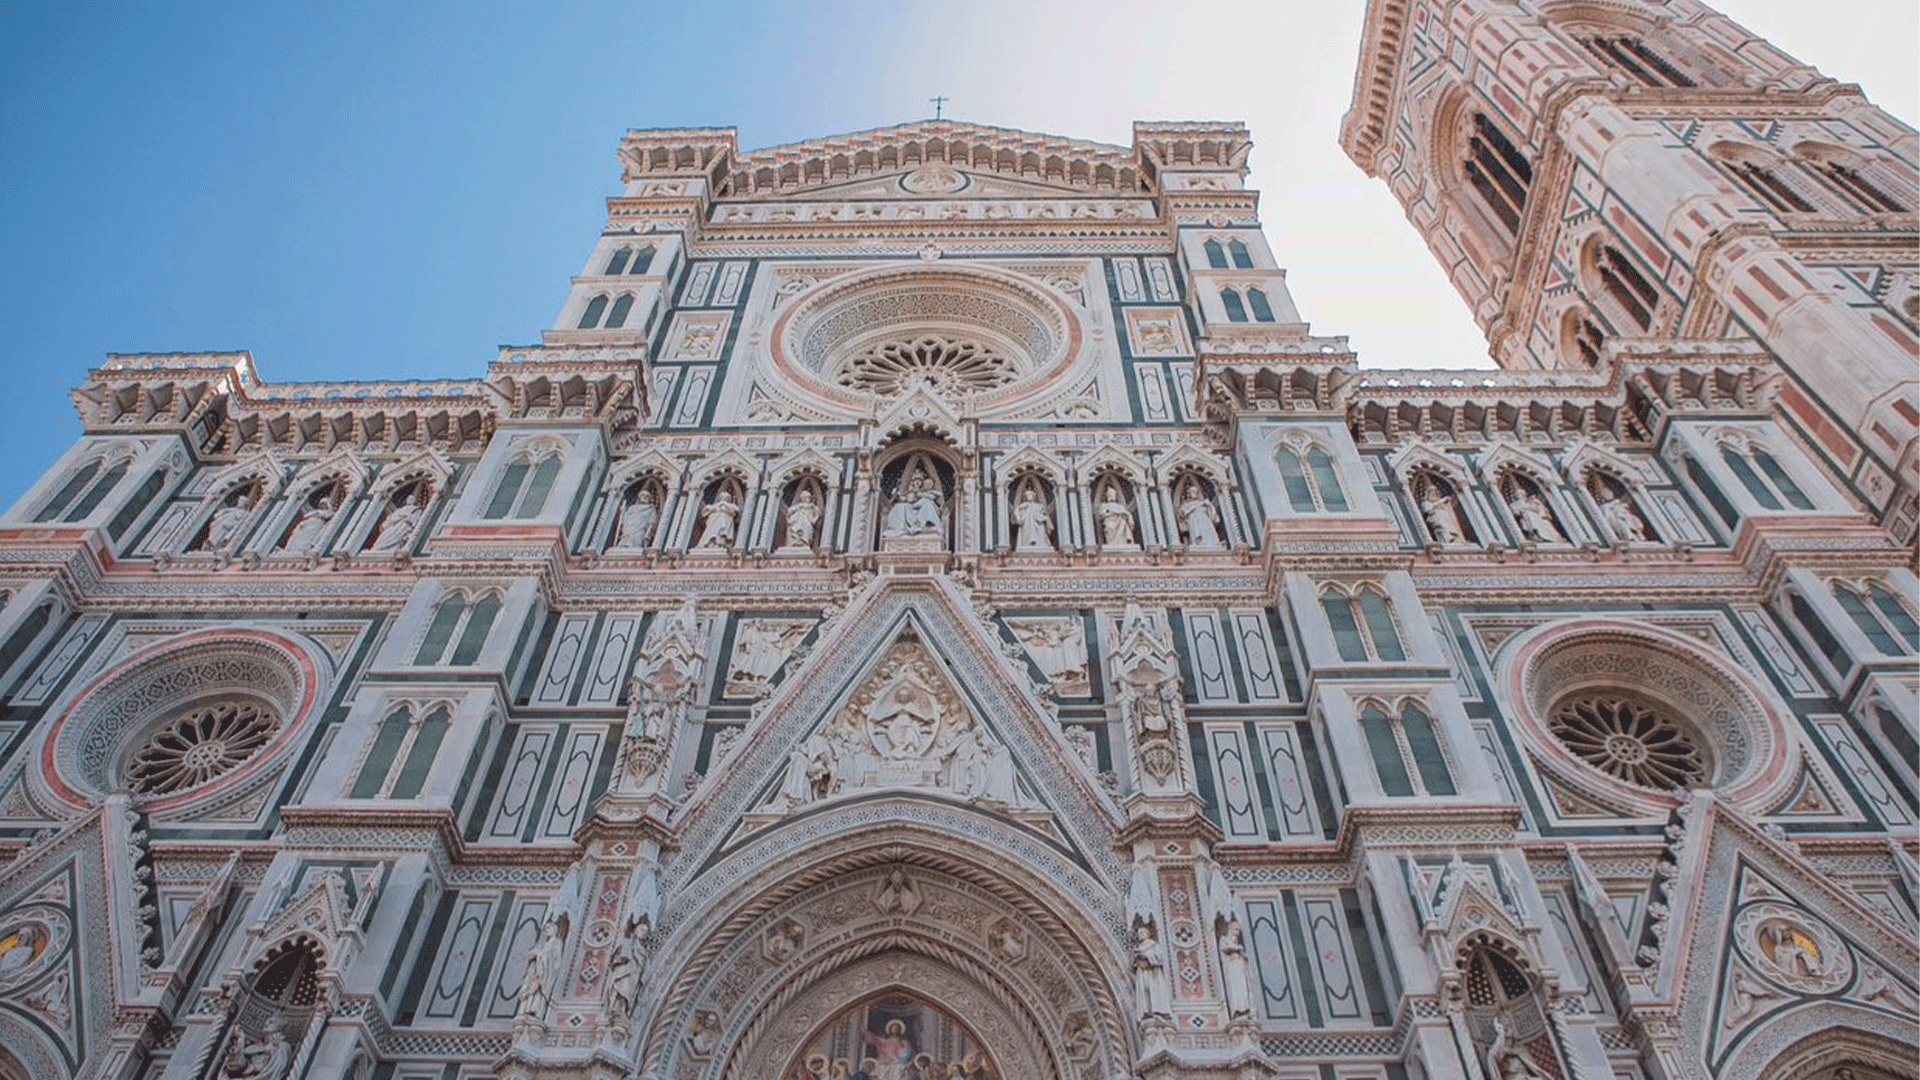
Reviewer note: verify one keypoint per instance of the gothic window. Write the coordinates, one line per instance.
(1242, 258)
(1498, 171)
(1764, 478)
(1853, 177)
(137, 504)
(201, 745)
(408, 739)
(1886, 622)
(1754, 171)
(642, 260)
(1818, 633)
(1631, 55)
(1906, 750)
(68, 491)
(1311, 482)
(1236, 309)
(1406, 750)
(1262, 311)
(23, 636)
(618, 264)
(1216, 255)
(1492, 979)
(524, 485)
(460, 624)
(1711, 492)
(1362, 622)
(1585, 339)
(617, 317)
(596, 307)
(1633, 296)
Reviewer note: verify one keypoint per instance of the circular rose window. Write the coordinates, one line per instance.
(201, 745)
(951, 367)
(1628, 740)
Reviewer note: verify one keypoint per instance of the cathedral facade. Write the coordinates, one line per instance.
(930, 607)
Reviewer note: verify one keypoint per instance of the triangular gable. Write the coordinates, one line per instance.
(73, 894)
(1757, 931)
(857, 653)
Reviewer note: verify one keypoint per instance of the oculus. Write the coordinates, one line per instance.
(201, 745)
(1629, 740)
(949, 367)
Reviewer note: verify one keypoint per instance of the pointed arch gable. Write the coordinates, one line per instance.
(266, 468)
(1415, 455)
(631, 468)
(339, 465)
(848, 650)
(1188, 456)
(1507, 455)
(1112, 458)
(730, 460)
(430, 464)
(804, 461)
(1031, 458)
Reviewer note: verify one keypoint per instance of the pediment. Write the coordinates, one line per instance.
(1758, 931)
(904, 694)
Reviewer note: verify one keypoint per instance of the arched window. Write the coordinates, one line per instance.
(1886, 622)
(460, 624)
(1216, 255)
(642, 260)
(1711, 492)
(1498, 171)
(1853, 177)
(1363, 626)
(68, 491)
(524, 486)
(1769, 485)
(617, 318)
(408, 740)
(1406, 751)
(1629, 54)
(618, 264)
(1262, 311)
(1588, 341)
(1311, 482)
(1242, 258)
(1626, 286)
(1817, 632)
(1236, 311)
(23, 637)
(97, 492)
(1753, 171)
(590, 318)
(1897, 735)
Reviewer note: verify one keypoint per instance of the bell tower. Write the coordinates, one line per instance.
(1589, 173)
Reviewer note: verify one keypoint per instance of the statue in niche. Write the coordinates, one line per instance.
(1616, 509)
(1233, 963)
(543, 968)
(402, 520)
(803, 518)
(720, 520)
(637, 520)
(1035, 521)
(1507, 1060)
(1198, 516)
(918, 508)
(311, 526)
(1116, 517)
(1531, 514)
(262, 1057)
(224, 527)
(1442, 515)
(622, 990)
(1149, 971)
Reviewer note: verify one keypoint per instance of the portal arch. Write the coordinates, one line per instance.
(876, 904)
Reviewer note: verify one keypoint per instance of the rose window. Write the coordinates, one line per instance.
(200, 746)
(1628, 741)
(946, 366)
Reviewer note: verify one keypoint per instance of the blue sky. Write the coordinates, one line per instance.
(362, 190)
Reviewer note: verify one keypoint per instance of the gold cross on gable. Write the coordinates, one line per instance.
(939, 105)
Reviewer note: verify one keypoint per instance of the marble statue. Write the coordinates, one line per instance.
(311, 527)
(1535, 521)
(262, 1057)
(1200, 518)
(803, 517)
(1035, 522)
(1621, 519)
(637, 520)
(917, 510)
(224, 528)
(397, 529)
(1116, 519)
(1233, 964)
(1442, 517)
(720, 520)
(1150, 992)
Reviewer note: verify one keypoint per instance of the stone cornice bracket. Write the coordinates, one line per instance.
(1376, 83)
(1192, 145)
(603, 387)
(660, 152)
(1237, 376)
(183, 392)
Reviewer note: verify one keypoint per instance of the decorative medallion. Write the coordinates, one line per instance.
(933, 178)
(1792, 948)
(31, 940)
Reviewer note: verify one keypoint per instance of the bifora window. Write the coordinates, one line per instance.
(1629, 740)
(201, 745)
